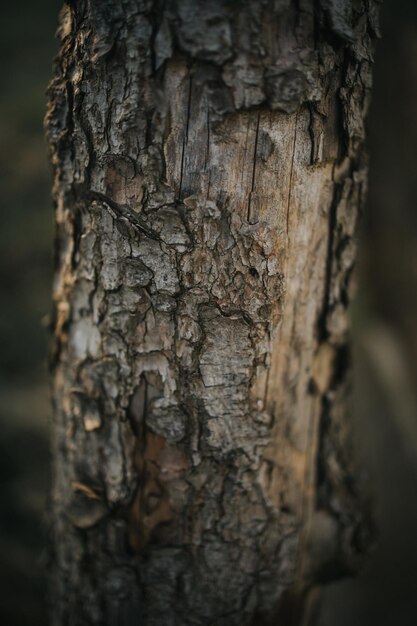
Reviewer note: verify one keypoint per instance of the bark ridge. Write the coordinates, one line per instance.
(209, 171)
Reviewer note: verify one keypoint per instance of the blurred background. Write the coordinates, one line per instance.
(384, 324)
(27, 47)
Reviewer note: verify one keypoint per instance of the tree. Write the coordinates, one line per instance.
(209, 171)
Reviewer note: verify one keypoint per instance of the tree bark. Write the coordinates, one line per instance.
(209, 172)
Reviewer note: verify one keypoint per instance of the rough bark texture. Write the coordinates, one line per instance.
(209, 171)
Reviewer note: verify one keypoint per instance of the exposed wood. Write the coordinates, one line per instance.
(209, 174)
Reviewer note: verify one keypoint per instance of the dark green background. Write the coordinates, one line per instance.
(27, 47)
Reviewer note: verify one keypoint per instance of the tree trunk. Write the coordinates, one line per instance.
(209, 171)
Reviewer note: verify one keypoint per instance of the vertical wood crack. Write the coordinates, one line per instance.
(255, 149)
(185, 141)
(291, 172)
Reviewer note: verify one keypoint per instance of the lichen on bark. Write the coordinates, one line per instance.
(209, 171)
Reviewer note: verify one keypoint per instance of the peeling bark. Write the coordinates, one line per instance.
(209, 172)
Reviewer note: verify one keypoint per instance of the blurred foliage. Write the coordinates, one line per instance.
(27, 47)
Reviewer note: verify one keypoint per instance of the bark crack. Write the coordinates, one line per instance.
(125, 212)
(185, 141)
(255, 150)
(291, 175)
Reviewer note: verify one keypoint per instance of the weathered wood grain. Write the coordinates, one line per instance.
(209, 171)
